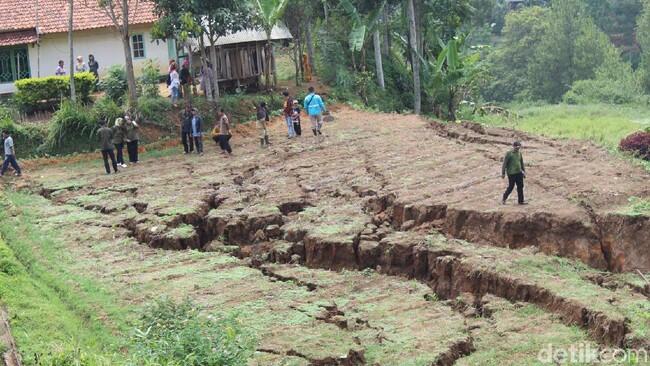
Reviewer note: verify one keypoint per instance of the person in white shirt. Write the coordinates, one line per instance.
(174, 85)
(10, 155)
(81, 65)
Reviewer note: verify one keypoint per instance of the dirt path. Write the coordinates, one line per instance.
(365, 202)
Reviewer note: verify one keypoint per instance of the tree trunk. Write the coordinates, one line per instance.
(275, 72)
(385, 34)
(267, 58)
(215, 70)
(207, 82)
(296, 61)
(300, 63)
(310, 46)
(378, 62)
(451, 106)
(73, 92)
(126, 42)
(417, 92)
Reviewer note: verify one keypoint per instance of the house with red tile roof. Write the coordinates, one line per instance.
(33, 38)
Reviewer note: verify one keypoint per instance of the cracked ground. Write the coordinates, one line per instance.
(385, 244)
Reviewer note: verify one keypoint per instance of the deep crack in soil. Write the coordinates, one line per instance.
(373, 211)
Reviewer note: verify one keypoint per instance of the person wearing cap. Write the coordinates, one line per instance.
(295, 117)
(513, 166)
(197, 134)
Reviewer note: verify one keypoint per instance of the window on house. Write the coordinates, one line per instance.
(14, 64)
(137, 43)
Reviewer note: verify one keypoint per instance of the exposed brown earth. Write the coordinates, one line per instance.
(381, 234)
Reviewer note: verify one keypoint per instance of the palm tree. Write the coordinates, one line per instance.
(269, 13)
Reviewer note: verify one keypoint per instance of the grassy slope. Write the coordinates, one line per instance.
(47, 314)
(604, 125)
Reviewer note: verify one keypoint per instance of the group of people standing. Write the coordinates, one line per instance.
(192, 131)
(179, 82)
(113, 139)
(80, 66)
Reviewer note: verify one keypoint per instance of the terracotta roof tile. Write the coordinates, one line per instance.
(53, 15)
(18, 37)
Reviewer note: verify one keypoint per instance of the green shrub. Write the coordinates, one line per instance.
(114, 83)
(150, 79)
(155, 110)
(170, 333)
(105, 109)
(72, 129)
(38, 93)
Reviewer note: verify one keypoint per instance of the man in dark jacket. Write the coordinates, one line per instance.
(132, 138)
(186, 81)
(513, 165)
(186, 129)
(105, 135)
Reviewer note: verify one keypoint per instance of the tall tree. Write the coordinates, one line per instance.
(73, 93)
(269, 12)
(415, 62)
(571, 49)
(220, 18)
(119, 11)
(643, 35)
(378, 61)
(361, 27)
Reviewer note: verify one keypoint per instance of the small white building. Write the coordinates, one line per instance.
(34, 37)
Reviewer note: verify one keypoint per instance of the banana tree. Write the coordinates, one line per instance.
(269, 13)
(453, 71)
(361, 27)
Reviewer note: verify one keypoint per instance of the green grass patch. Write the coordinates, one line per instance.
(51, 319)
(637, 207)
(604, 125)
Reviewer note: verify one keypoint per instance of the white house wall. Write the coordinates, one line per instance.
(105, 44)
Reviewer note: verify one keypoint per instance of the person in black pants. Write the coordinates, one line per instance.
(197, 131)
(132, 138)
(224, 133)
(513, 165)
(119, 134)
(186, 129)
(106, 142)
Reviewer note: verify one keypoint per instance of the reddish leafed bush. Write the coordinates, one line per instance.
(638, 144)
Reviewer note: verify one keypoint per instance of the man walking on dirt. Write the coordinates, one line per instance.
(10, 155)
(315, 108)
(288, 111)
(513, 165)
